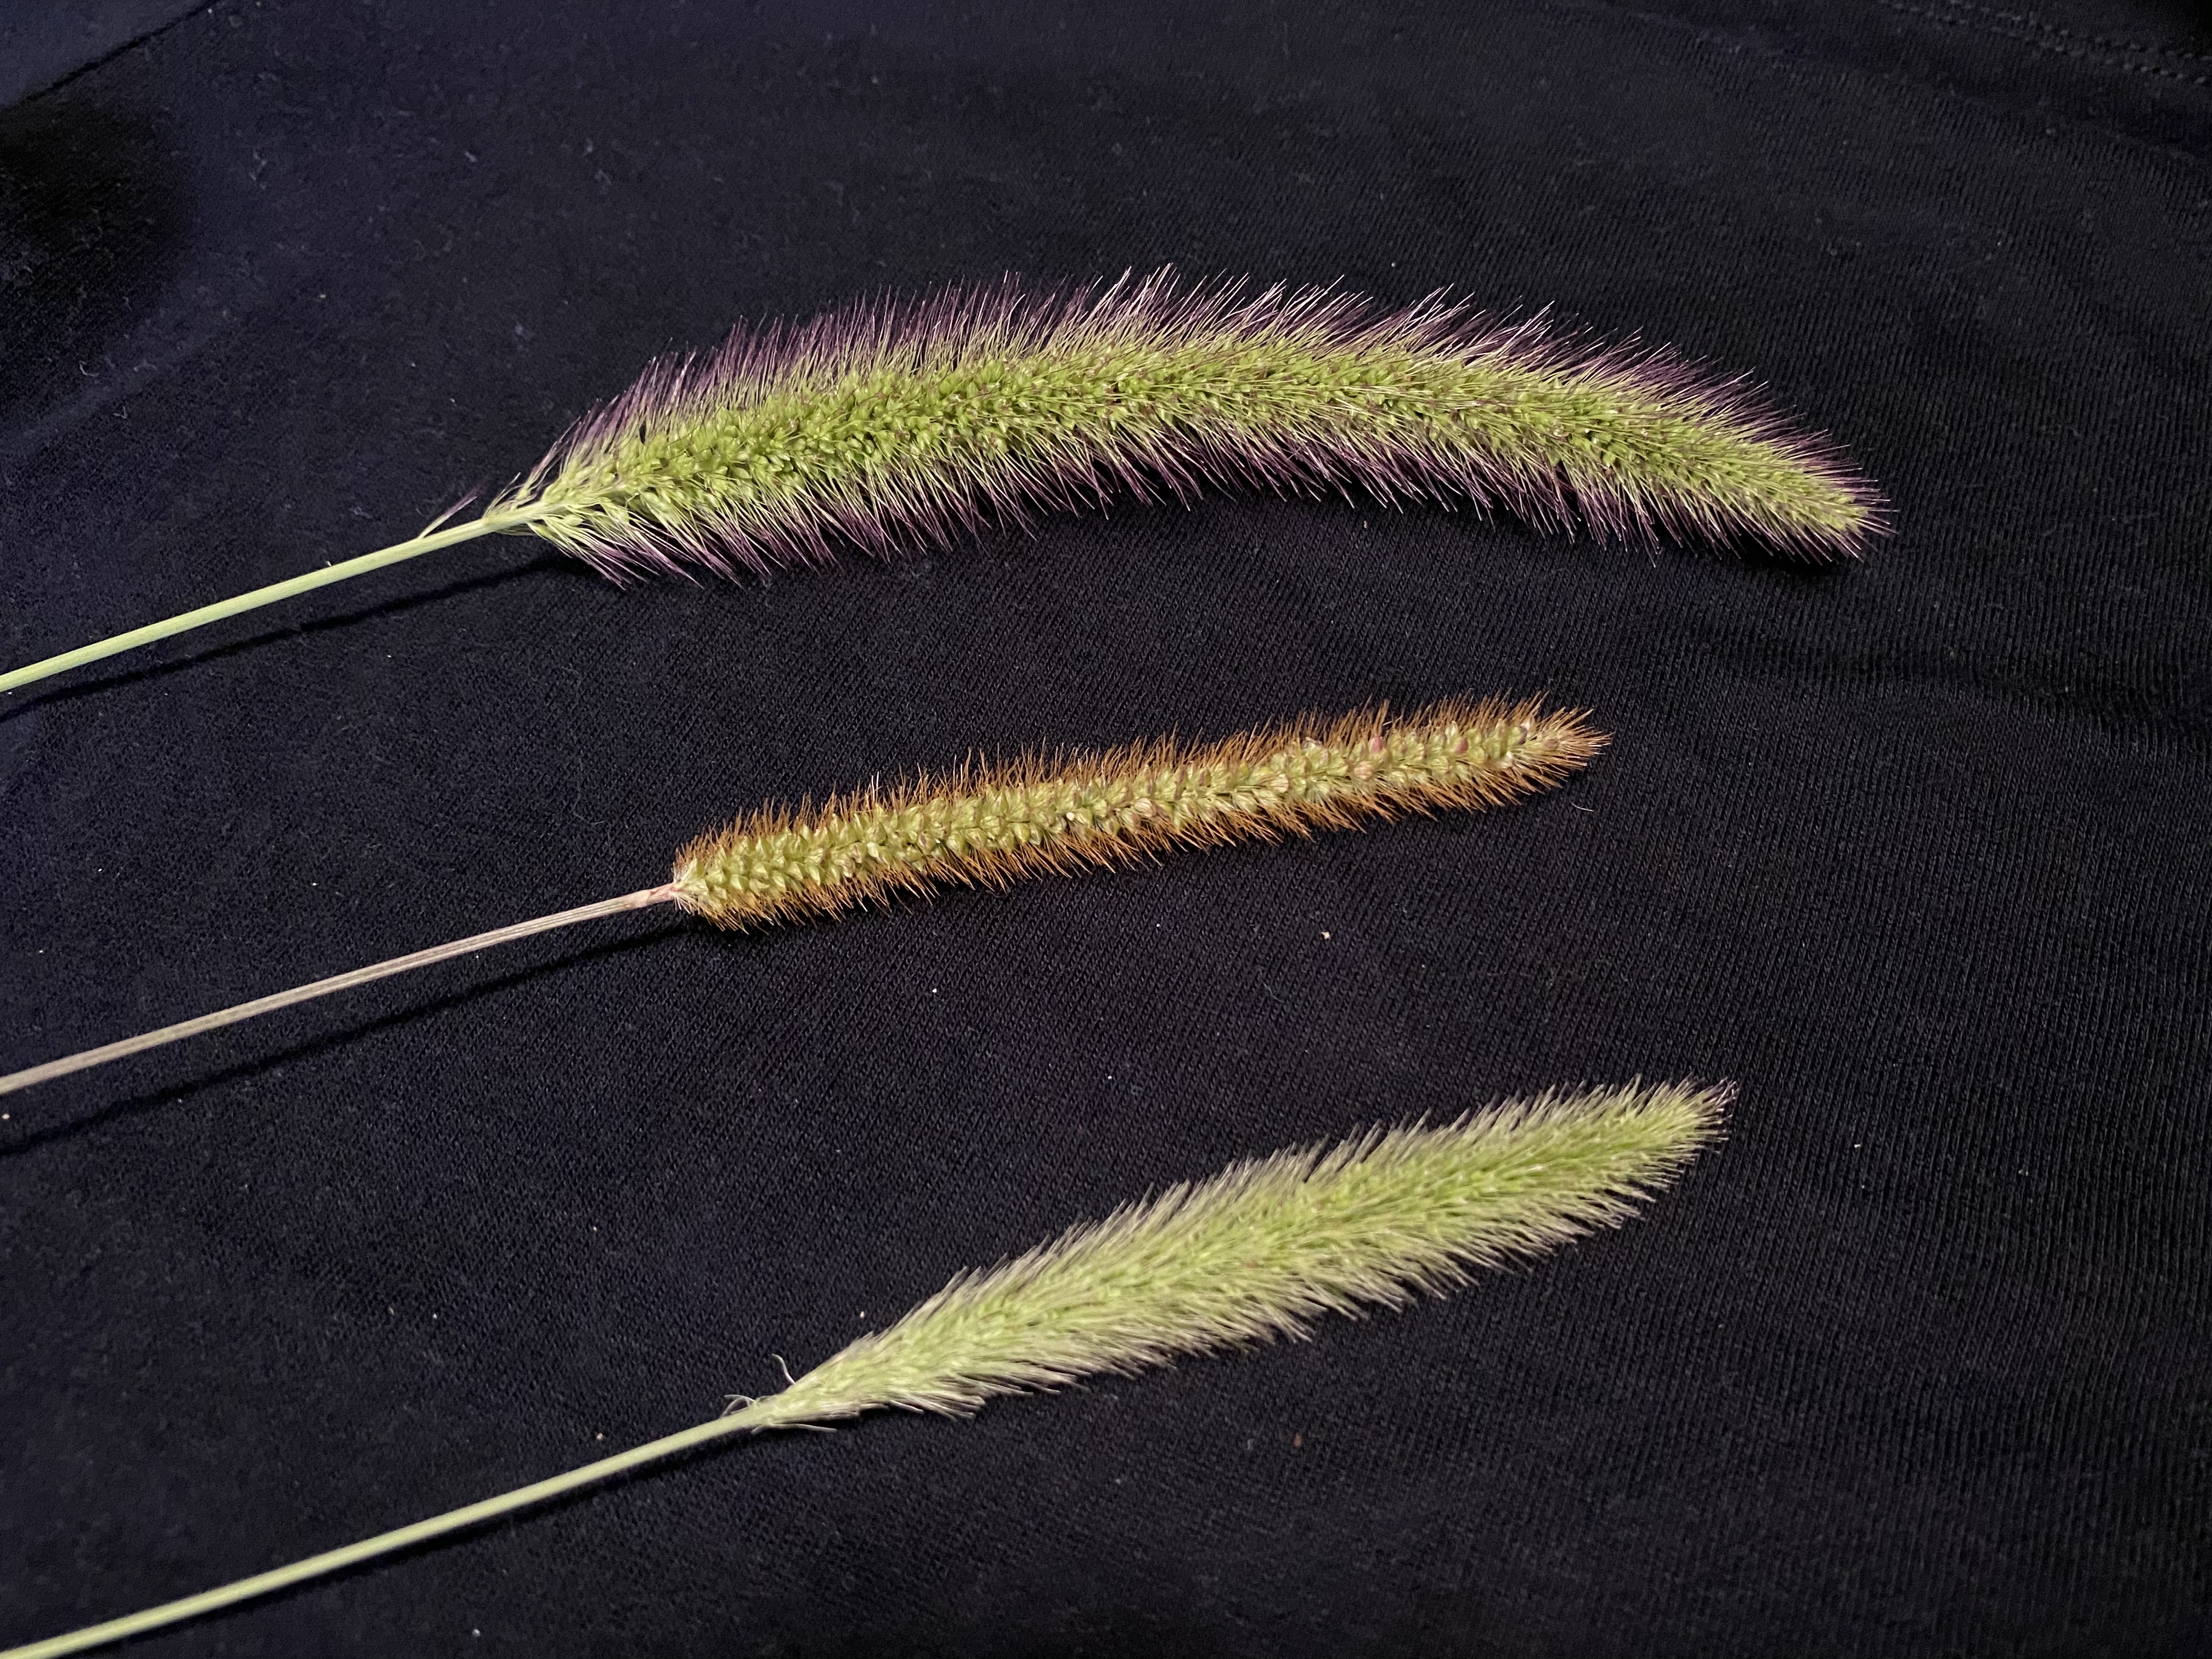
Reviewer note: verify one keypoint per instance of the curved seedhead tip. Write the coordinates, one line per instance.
(890, 423)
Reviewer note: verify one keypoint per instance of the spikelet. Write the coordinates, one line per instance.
(1256, 1253)
(887, 424)
(989, 825)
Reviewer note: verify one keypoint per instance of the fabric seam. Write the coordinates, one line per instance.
(2048, 38)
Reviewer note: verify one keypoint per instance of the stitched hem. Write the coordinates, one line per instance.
(2064, 43)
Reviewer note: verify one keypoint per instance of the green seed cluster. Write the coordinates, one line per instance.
(1106, 809)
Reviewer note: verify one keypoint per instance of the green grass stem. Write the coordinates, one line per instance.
(399, 1538)
(430, 541)
(1252, 1254)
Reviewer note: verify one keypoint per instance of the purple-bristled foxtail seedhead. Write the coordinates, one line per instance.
(889, 424)
(892, 424)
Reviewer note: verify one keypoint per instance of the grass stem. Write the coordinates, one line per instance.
(323, 988)
(368, 1549)
(186, 621)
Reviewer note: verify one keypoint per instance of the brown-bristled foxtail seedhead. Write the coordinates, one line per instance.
(990, 824)
(894, 424)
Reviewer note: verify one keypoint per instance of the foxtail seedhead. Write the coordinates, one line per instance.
(892, 424)
(1266, 1247)
(887, 424)
(989, 825)
(1255, 1253)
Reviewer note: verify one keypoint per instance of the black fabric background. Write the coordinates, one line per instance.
(1914, 849)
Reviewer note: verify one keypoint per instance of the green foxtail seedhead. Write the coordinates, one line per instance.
(1262, 1250)
(1258, 1252)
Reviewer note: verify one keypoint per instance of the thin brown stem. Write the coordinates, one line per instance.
(323, 988)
